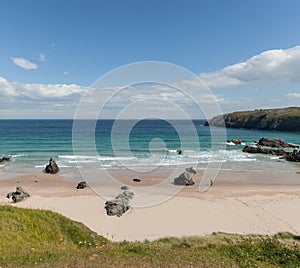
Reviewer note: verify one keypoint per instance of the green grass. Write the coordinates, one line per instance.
(37, 238)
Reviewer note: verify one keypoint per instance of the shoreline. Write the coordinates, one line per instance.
(232, 207)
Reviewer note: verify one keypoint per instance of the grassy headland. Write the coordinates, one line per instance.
(284, 119)
(42, 238)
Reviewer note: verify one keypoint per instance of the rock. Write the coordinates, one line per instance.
(235, 141)
(260, 150)
(5, 159)
(179, 152)
(52, 167)
(282, 119)
(124, 187)
(81, 185)
(294, 156)
(137, 180)
(119, 205)
(275, 143)
(18, 195)
(185, 178)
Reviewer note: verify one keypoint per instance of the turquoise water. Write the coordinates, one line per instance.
(123, 144)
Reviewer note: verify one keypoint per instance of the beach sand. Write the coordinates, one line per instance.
(232, 206)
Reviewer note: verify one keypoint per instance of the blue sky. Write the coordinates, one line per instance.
(52, 51)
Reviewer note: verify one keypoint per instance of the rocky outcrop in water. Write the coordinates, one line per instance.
(264, 144)
(18, 195)
(52, 167)
(235, 141)
(185, 178)
(5, 159)
(293, 157)
(260, 150)
(275, 143)
(284, 119)
(119, 205)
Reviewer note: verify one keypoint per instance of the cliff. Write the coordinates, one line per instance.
(283, 119)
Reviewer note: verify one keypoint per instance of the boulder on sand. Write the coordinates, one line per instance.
(18, 195)
(81, 185)
(185, 178)
(119, 205)
(52, 167)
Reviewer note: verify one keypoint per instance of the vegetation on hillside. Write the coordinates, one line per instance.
(285, 119)
(45, 239)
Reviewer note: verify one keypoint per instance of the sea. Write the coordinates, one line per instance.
(128, 144)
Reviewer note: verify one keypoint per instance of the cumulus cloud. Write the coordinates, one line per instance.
(271, 65)
(24, 100)
(38, 91)
(23, 63)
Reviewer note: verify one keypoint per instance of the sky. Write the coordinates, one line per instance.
(246, 53)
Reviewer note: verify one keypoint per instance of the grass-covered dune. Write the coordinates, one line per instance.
(284, 119)
(37, 238)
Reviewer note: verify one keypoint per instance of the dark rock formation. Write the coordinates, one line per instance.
(293, 157)
(275, 143)
(185, 178)
(81, 185)
(5, 159)
(119, 205)
(18, 195)
(179, 151)
(260, 150)
(284, 119)
(52, 167)
(235, 141)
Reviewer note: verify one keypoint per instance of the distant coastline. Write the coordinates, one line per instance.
(281, 119)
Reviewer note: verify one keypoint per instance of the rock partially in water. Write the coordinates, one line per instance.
(260, 150)
(5, 159)
(235, 141)
(275, 143)
(294, 156)
(185, 178)
(52, 167)
(18, 195)
(119, 205)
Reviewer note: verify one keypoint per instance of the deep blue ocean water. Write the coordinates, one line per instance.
(122, 144)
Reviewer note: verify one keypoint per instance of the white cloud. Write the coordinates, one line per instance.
(42, 57)
(39, 91)
(23, 100)
(293, 95)
(66, 73)
(271, 65)
(6, 88)
(23, 63)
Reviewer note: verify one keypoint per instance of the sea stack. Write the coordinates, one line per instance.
(52, 167)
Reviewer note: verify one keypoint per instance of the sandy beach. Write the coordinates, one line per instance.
(235, 206)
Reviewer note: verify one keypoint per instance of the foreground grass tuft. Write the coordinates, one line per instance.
(30, 237)
(38, 238)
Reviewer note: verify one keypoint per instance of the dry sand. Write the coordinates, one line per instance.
(226, 207)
